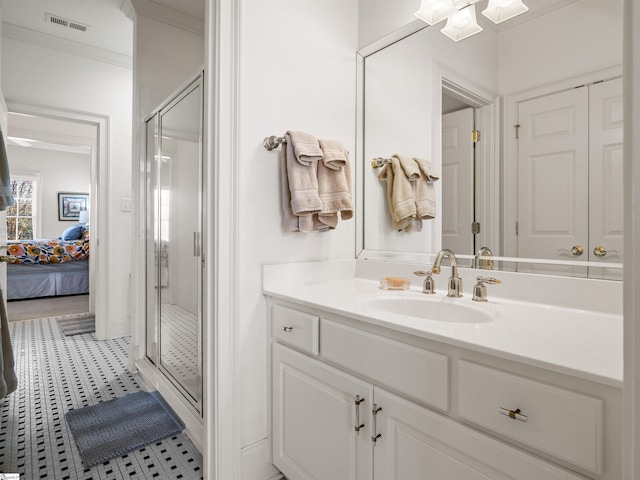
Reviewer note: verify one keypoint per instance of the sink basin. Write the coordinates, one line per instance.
(440, 309)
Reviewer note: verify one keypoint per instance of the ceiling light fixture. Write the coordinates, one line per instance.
(461, 15)
(462, 24)
(500, 10)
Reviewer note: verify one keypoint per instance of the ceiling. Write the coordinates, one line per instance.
(109, 27)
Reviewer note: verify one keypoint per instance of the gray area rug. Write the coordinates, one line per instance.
(111, 429)
(77, 324)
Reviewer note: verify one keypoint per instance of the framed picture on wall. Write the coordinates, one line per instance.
(70, 205)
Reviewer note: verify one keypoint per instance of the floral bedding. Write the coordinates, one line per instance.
(47, 251)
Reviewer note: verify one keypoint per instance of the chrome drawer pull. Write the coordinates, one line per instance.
(358, 401)
(513, 414)
(375, 411)
(287, 329)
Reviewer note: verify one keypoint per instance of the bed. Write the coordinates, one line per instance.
(49, 267)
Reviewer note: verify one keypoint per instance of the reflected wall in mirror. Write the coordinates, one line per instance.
(416, 91)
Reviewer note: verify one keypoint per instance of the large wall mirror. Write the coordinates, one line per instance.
(542, 187)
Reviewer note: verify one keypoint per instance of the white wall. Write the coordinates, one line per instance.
(59, 172)
(561, 45)
(377, 18)
(297, 72)
(38, 75)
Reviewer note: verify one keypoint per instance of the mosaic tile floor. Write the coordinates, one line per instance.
(58, 373)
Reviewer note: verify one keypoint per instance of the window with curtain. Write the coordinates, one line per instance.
(21, 216)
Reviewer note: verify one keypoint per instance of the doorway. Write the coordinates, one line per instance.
(61, 129)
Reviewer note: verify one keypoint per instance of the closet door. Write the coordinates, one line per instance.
(606, 202)
(179, 230)
(553, 180)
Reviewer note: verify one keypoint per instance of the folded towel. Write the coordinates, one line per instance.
(6, 195)
(291, 221)
(305, 147)
(425, 193)
(334, 184)
(303, 182)
(334, 155)
(400, 199)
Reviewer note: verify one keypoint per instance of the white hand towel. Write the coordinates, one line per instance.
(305, 147)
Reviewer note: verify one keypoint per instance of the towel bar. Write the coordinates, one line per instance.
(379, 162)
(273, 142)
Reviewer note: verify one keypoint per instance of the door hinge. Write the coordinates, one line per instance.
(475, 136)
(517, 127)
(516, 228)
(475, 228)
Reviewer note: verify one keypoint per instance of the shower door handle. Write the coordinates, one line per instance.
(196, 244)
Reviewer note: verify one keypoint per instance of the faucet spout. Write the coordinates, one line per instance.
(455, 282)
(452, 259)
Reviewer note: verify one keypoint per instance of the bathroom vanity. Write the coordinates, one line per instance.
(367, 383)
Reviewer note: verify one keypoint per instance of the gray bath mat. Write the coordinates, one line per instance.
(111, 429)
(76, 324)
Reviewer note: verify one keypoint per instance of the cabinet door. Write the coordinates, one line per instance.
(314, 417)
(418, 444)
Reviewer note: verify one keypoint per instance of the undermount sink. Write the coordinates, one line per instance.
(440, 309)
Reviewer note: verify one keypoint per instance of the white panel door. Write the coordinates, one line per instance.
(315, 416)
(606, 203)
(457, 181)
(553, 179)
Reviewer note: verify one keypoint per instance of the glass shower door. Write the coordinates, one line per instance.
(174, 287)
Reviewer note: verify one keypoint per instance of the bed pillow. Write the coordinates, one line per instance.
(74, 232)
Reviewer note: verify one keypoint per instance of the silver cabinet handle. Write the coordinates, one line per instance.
(513, 414)
(374, 411)
(287, 329)
(358, 401)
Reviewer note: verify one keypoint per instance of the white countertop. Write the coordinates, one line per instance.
(581, 343)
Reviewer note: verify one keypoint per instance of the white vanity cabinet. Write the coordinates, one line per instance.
(355, 401)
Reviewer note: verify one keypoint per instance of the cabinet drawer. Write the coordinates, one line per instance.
(564, 424)
(416, 372)
(295, 328)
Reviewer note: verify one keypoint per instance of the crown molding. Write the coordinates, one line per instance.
(164, 14)
(16, 32)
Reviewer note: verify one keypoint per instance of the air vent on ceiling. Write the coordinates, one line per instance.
(65, 22)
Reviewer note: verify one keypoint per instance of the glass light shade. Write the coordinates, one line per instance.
(500, 10)
(434, 11)
(83, 217)
(462, 25)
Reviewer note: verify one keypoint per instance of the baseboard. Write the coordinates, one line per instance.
(255, 463)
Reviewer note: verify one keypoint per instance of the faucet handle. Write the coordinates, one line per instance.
(480, 289)
(429, 285)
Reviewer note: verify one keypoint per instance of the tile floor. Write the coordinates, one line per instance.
(58, 373)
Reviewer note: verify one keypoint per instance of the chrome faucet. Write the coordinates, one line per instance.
(455, 282)
(484, 264)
